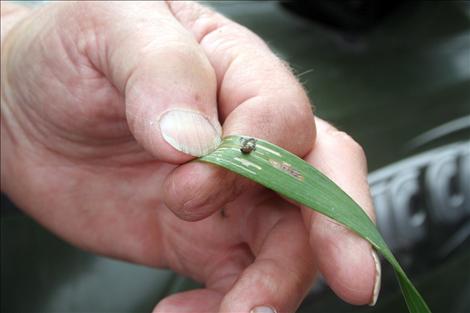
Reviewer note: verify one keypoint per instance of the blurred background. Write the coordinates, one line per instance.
(393, 74)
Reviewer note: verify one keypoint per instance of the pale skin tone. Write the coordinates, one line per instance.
(82, 82)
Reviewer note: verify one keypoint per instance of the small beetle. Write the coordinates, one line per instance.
(248, 145)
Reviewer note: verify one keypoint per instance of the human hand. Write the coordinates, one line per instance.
(90, 151)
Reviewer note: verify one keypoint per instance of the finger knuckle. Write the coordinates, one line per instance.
(186, 53)
(345, 142)
(201, 19)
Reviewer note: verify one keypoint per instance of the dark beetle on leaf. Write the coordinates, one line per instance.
(248, 145)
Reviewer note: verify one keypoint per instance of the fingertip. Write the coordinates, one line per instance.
(196, 190)
(345, 260)
(283, 269)
(167, 83)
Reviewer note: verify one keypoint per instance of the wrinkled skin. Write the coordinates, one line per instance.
(82, 82)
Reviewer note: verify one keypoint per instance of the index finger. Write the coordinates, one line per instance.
(257, 96)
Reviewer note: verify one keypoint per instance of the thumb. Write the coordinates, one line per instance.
(168, 84)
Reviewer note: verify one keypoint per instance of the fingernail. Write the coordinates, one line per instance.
(190, 132)
(378, 278)
(263, 309)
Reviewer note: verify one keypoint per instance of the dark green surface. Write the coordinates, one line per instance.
(446, 289)
(407, 76)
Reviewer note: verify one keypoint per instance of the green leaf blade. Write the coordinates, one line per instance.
(292, 177)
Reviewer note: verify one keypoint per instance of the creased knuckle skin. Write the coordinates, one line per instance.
(200, 18)
(344, 142)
